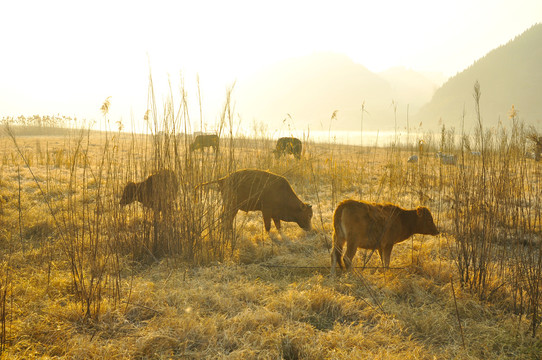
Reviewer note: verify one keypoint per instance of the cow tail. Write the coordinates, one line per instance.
(219, 181)
(338, 232)
(208, 183)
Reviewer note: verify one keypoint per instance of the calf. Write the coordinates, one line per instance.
(203, 141)
(157, 192)
(375, 226)
(257, 190)
(288, 145)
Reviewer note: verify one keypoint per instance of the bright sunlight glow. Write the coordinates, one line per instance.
(68, 56)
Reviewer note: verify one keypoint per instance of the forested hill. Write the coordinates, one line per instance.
(508, 75)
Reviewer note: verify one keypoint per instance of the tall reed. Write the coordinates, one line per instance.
(496, 216)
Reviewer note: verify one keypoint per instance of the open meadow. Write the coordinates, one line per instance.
(83, 278)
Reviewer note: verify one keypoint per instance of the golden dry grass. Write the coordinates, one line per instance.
(235, 301)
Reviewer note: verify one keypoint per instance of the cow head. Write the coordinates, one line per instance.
(426, 225)
(129, 194)
(304, 216)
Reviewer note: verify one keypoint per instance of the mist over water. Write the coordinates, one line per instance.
(367, 138)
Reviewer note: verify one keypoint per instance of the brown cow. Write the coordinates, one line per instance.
(205, 140)
(252, 190)
(375, 226)
(288, 145)
(157, 192)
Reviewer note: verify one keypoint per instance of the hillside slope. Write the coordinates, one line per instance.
(509, 75)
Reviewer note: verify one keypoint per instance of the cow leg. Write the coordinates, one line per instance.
(228, 217)
(386, 255)
(351, 249)
(277, 223)
(336, 254)
(266, 221)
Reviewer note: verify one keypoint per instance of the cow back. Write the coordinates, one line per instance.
(288, 145)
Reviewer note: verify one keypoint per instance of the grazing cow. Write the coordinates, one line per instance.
(203, 141)
(288, 145)
(157, 192)
(253, 190)
(413, 159)
(447, 159)
(365, 225)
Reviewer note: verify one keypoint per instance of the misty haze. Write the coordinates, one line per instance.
(307, 90)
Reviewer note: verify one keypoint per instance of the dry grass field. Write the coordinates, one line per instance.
(83, 278)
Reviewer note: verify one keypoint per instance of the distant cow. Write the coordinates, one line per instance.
(365, 225)
(157, 192)
(203, 141)
(253, 190)
(288, 145)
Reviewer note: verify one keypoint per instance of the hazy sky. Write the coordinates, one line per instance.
(67, 56)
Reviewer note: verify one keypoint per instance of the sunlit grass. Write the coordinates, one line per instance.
(82, 277)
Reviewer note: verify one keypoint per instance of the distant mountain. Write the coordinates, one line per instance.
(509, 75)
(310, 88)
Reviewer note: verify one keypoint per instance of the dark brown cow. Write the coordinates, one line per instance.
(252, 190)
(203, 141)
(375, 226)
(157, 192)
(288, 145)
